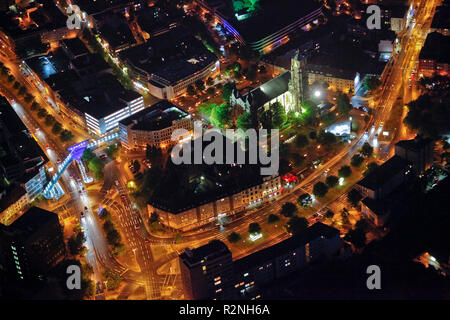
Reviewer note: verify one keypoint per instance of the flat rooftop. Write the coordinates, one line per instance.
(157, 117)
(213, 249)
(267, 17)
(441, 18)
(98, 95)
(114, 29)
(172, 56)
(186, 186)
(382, 174)
(436, 47)
(313, 232)
(31, 222)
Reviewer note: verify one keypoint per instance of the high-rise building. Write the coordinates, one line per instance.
(31, 246)
(207, 272)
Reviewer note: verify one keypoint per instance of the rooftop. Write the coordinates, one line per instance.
(11, 196)
(31, 222)
(157, 117)
(99, 6)
(99, 95)
(269, 90)
(113, 28)
(213, 249)
(75, 47)
(311, 233)
(382, 174)
(441, 19)
(436, 47)
(416, 144)
(252, 24)
(172, 56)
(186, 186)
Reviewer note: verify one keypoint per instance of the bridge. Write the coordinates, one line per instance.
(53, 189)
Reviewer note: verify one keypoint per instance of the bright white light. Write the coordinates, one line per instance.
(385, 133)
(341, 181)
(317, 93)
(432, 258)
(375, 142)
(254, 237)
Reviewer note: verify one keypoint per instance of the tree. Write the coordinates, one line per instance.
(343, 103)
(105, 215)
(296, 225)
(35, 106)
(16, 85)
(367, 150)
(112, 279)
(313, 135)
(344, 172)
(329, 214)
(75, 243)
(371, 83)
(288, 209)
(95, 164)
(42, 113)
(297, 159)
(22, 91)
(327, 138)
(272, 218)
(28, 98)
(210, 91)
(113, 237)
(220, 115)
(49, 120)
(301, 141)
(57, 127)
(200, 84)
(113, 151)
(190, 90)
(254, 228)
(210, 81)
(65, 135)
(11, 78)
(370, 168)
(357, 237)
(331, 181)
(234, 237)
(227, 89)
(278, 115)
(356, 161)
(354, 197)
(245, 121)
(320, 189)
(236, 66)
(87, 155)
(304, 200)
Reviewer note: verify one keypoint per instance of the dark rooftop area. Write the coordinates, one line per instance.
(75, 46)
(272, 16)
(156, 117)
(99, 6)
(269, 90)
(113, 28)
(31, 221)
(208, 251)
(313, 232)
(441, 19)
(436, 47)
(383, 173)
(415, 144)
(186, 186)
(172, 56)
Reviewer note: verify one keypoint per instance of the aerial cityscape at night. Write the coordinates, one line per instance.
(231, 150)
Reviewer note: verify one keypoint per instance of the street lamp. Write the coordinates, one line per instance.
(317, 93)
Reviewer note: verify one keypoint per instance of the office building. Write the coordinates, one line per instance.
(153, 126)
(167, 64)
(31, 246)
(207, 272)
(418, 151)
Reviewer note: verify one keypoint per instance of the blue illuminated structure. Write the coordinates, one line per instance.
(76, 151)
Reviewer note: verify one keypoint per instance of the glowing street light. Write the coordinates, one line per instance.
(317, 93)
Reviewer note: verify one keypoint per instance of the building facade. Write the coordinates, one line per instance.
(227, 206)
(153, 126)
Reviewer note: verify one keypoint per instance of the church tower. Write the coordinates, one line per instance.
(296, 85)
